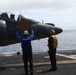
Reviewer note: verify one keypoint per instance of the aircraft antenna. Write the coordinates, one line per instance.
(42, 21)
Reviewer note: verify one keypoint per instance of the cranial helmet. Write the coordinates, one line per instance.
(26, 32)
(52, 32)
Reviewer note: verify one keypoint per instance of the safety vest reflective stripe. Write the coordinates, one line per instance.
(55, 41)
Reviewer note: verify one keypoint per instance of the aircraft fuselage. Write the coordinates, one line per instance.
(9, 27)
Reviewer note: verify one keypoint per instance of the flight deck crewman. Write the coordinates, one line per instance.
(52, 44)
(26, 49)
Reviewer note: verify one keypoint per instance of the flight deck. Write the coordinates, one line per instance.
(66, 62)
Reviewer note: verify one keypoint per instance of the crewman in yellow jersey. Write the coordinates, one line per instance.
(52, 45)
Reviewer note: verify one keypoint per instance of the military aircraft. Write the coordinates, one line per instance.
(10, 23)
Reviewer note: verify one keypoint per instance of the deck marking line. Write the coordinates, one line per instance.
(67, 56)
(40, 63)
(63, 55)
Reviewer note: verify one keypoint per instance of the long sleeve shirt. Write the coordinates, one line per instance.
(25, 41)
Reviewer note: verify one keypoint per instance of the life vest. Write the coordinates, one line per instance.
(55, 41)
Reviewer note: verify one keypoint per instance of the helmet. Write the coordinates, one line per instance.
(26, 32)
(52, 32)
(12, 15)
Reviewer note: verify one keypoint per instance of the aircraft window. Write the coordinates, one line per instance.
(20, 17)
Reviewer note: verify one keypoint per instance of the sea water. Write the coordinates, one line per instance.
(66, 41)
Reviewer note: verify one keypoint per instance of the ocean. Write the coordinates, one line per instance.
(66, 41)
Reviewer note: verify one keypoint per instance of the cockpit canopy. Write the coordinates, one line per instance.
(10, 16)
(15, 17)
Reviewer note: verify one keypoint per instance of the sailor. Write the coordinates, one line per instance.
(52, 45)
(26, 49)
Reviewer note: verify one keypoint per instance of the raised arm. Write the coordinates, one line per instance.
(31, 36)
(18, 36)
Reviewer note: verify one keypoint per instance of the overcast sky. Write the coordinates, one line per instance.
(60, 12)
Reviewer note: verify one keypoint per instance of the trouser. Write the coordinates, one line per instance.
(27, 58)
(52, 55)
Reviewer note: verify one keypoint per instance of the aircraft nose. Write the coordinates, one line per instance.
(57, 30)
